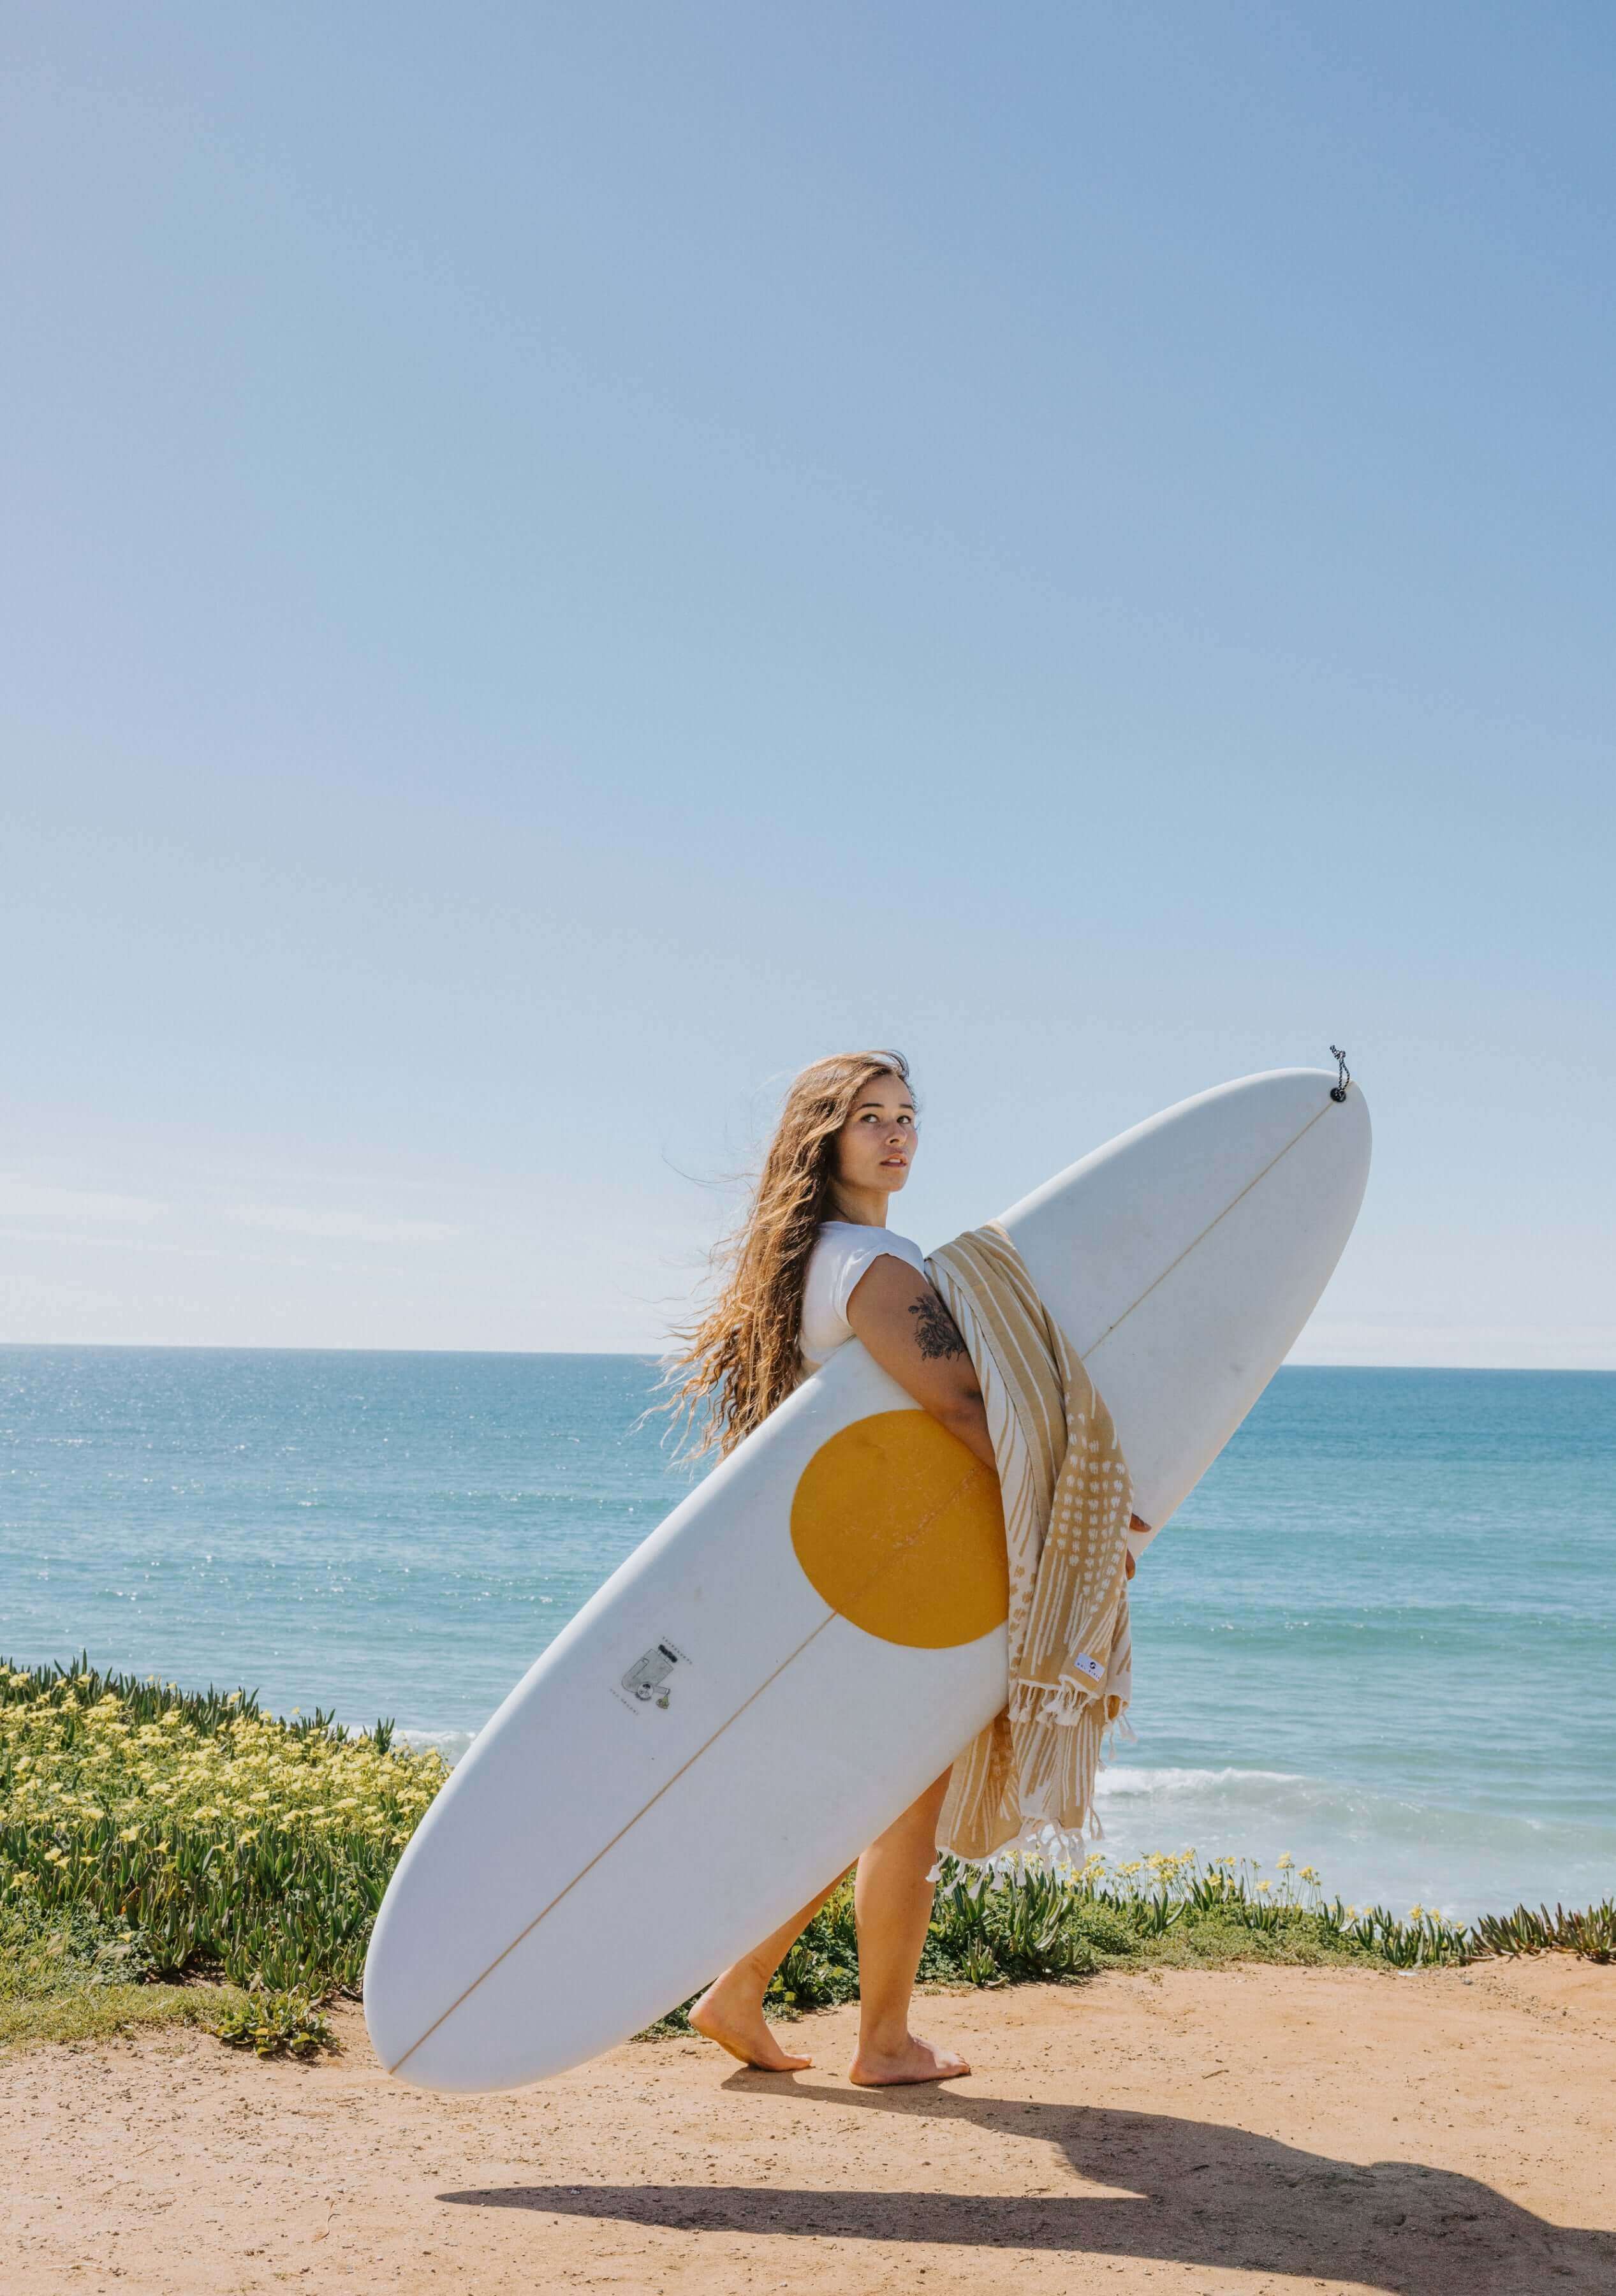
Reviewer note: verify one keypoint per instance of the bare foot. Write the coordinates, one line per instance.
(913, 2060)
(736, 2022)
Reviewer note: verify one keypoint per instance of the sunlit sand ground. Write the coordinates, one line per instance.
(1449, 2133)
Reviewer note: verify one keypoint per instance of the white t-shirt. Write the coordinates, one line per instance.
(842, 1255)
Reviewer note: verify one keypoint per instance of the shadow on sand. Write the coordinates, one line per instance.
(1193, 2192)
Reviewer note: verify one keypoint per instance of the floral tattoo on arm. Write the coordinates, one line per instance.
(935, 1329)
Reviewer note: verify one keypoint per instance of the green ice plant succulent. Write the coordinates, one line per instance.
(192, 1834)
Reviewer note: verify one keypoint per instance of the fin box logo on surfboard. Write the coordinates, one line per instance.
(648, 1680)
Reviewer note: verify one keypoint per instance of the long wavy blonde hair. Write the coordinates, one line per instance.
(741, 1355)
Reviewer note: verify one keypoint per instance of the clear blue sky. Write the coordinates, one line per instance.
(563, 561)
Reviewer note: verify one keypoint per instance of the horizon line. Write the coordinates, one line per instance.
(650, 1355)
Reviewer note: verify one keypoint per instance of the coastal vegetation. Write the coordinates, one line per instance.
(149, 1837)
(181, 1856)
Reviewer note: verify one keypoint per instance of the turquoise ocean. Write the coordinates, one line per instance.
(1381, 1636)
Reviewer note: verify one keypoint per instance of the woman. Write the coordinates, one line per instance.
(813, 1266)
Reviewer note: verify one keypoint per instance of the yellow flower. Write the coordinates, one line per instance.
(1287, 1862)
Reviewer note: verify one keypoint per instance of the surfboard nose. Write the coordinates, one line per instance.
(1208, 1234)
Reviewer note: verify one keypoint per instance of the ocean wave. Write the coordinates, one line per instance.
(452, 1744)
(1138, 1779)
(1370, 1847)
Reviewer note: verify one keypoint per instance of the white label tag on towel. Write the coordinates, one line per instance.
(1091, 1667)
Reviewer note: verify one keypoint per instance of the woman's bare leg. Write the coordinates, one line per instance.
(892, 1902)
(892, 1899)
(731, 2010)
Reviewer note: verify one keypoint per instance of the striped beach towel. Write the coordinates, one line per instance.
(1026, 1781)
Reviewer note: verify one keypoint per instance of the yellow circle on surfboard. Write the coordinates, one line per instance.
(899, 1528)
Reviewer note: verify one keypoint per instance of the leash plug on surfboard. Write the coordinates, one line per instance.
(1338, 1090)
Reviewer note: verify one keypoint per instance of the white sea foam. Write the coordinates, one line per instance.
(450, 1743)
(1123, 1784)
(1371, 1848)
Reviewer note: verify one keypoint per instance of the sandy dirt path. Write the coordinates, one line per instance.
(1195, 2134)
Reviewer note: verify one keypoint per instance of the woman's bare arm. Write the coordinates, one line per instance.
(905, 1325)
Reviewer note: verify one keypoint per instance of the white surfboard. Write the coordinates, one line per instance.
(712, 1738)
